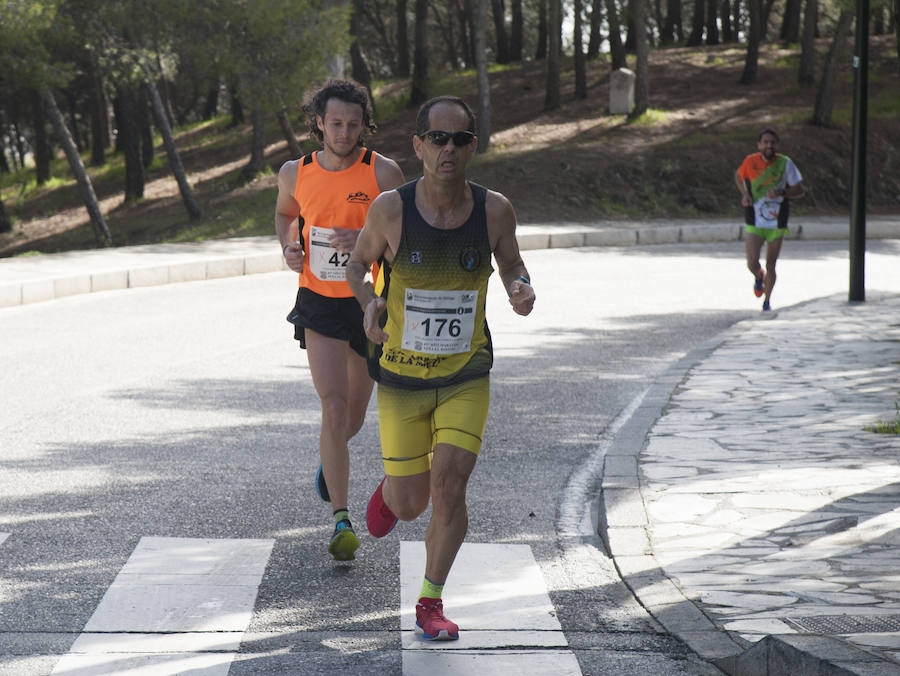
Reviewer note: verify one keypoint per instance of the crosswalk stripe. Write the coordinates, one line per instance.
(178, 605)
(497, 595)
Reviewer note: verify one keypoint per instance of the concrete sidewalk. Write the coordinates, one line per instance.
(748, 508)
(30, 279)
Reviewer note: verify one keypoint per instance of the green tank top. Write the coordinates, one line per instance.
(435, 290)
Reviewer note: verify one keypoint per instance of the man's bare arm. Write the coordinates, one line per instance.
(513, 273)
(287, 211)
(746, 200)
(373, 243)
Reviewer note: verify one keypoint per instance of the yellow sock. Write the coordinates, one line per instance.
(431, 590)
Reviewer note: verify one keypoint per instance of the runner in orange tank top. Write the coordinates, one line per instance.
(323, 199)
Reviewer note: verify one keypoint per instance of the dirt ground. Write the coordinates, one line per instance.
(578, 163)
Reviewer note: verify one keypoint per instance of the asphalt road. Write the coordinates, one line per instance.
(187, 411)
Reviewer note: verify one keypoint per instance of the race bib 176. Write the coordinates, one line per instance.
(439, 322)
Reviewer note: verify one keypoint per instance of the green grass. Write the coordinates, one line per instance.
(249, 215)
(650, 117)
(887, 426)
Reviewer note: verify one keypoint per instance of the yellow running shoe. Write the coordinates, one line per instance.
(344, 541)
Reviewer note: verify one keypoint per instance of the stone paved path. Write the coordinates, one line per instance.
(768, 504)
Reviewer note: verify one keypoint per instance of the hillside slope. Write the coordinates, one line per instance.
(574, 164)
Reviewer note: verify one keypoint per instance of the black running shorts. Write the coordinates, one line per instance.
(340, 318)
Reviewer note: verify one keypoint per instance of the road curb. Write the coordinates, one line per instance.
(212, 260)
(52, 287)
(623, 529)
(624, 521)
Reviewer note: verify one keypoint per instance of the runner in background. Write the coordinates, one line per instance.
(323, 199)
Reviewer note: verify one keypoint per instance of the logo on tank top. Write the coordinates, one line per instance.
(415, 257)
(469, 258)
(358, 197)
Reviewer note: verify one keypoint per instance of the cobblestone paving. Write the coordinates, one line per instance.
(769, 504)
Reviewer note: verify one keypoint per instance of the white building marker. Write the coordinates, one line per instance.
(179, 605)
(507, 623)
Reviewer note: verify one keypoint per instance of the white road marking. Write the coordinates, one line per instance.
(497, 595)
(178, 605)
(3, 536)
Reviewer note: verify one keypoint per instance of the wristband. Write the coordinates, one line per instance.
(523, 278)
(284, 247)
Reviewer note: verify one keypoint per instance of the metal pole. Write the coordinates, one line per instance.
(858, 178)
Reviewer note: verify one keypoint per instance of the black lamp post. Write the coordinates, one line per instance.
(858, 176)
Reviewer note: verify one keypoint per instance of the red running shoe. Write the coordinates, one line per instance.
(758, 284)
(380, 520)
(431, 622)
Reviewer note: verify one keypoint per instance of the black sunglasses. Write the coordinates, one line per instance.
(440, 138)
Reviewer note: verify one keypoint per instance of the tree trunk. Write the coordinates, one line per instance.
(807, 72)
(736, 19)
(359, 67)
(211, 106)
(695, 39)
(284, 121)
(616, 48)
(541, 50)
(578, 48)
(466, 31)
(657, 18)
(629, 35)
(825, 95)
(642, 56)
(18, 140)
(4, 164)
(752, 60)
(484, 85)
(790, 22)
(765, 13)
(517, 31)
(554, 26)
(162, 123)
(419, 92)
(237, 107)
(163, 90)
(5, 223)
(41, 146)
(896, 20)
(101, 232)
(595, 38)
(99, 115)
(402, 41)
(446, 31)
(878, 21)
(727, 32)
(673, 19)
(257, 161)
(499, 14)
(712, 26)
(72, 100)
(130, 142)
(143, 120)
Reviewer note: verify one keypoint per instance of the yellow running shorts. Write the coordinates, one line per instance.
(412, 422)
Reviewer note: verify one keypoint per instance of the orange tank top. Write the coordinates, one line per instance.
(330, 199)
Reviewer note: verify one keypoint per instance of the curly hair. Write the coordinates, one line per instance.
(342, 90)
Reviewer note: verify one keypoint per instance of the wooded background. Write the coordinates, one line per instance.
(95, 77)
